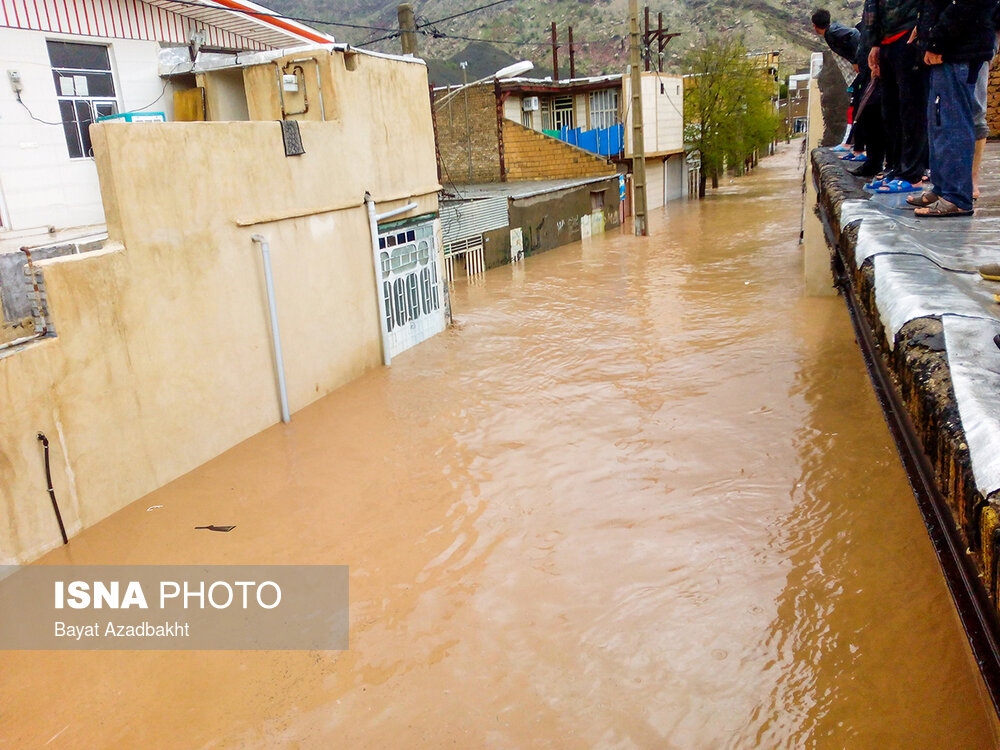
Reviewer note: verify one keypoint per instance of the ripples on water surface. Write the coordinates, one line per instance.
(640, 496)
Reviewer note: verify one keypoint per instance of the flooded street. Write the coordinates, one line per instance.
(640, 496)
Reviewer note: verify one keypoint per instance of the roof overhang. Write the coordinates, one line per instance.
(247, 19)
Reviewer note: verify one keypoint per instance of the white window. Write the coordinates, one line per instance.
(562, 112)
(85, 89)
(604, 108)
(546, 109)
(526, 119)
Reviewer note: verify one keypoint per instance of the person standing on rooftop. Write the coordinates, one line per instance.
(866, 133)
(889, 25)
(957, 38)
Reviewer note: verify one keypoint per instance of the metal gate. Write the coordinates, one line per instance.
(411, 284)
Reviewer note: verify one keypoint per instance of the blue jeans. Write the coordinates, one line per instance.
(951, 110)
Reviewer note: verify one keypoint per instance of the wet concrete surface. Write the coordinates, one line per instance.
(640, 496)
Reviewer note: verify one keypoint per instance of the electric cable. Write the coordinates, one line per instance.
(466, 12)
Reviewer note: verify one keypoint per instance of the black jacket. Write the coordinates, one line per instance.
(844, 41)
(958, 30)
(886, 18)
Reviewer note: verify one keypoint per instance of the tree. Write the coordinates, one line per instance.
(728, 110)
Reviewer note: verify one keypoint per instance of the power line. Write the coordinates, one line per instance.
(464, 13)
(435, 34)
(379, 39)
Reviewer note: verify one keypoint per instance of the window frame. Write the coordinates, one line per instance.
(78, 111)
(604, 108)
(561, 112)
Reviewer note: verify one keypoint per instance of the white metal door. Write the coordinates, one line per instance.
(410, 279)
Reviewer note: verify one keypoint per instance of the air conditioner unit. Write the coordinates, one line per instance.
(530, 104)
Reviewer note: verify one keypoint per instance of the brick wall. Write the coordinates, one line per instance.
(458, 136)
(530, 155)
(993, 106)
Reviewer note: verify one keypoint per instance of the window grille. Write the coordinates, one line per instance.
(604, 108)
(562, 113)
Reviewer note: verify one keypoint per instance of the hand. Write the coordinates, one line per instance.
(932, 59)
(873, 60)
(913, 36)
(855, 67)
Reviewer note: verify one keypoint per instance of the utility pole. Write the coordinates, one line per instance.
(659, 34)
(468, 128)
(407, 28)
(555, 54)
(572, 56)
(645, 40)
(638, 137)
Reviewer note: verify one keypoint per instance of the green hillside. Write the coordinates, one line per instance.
(519, 29)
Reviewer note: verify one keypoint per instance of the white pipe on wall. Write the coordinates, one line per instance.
(396, 211)
(373, 226)
(279, 363)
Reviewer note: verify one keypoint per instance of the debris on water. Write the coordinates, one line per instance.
(216, 528)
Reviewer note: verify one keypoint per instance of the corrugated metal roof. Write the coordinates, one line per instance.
(275, 32)
(463, 219)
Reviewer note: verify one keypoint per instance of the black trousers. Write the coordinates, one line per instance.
(904, 108)
(869, 131)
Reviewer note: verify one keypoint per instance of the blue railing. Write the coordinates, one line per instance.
(601, 141)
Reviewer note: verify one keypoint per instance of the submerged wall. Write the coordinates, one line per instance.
(556, 218)
(163, 357)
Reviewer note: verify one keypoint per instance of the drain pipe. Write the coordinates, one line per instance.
(279, 363)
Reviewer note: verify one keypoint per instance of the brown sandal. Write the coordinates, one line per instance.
(926, 198)
(941, 208)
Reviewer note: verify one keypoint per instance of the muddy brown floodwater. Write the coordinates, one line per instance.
(640, 496)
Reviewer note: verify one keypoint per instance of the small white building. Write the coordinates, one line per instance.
(65, 63)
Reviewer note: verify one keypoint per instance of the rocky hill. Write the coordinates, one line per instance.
(521, 28)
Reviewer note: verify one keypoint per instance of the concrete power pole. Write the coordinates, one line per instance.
(407, 28)
(638, 138)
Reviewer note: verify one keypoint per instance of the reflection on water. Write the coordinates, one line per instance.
(639, 496)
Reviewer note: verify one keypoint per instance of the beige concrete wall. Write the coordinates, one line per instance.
(225, 95)
(815, 250)
(163, 358)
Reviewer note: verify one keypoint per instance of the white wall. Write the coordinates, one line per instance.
(511, 108)
(675, 174)
(39, 184)
(580, 104)
(662, 113)
(654, 183)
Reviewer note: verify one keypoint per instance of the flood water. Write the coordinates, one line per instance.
(640, 496)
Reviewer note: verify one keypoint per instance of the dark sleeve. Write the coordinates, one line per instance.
(873, 26)
(861, 59)
(844, 41)
(955, 20)
(925, 22)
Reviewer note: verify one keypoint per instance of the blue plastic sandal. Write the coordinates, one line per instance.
(897, 186)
